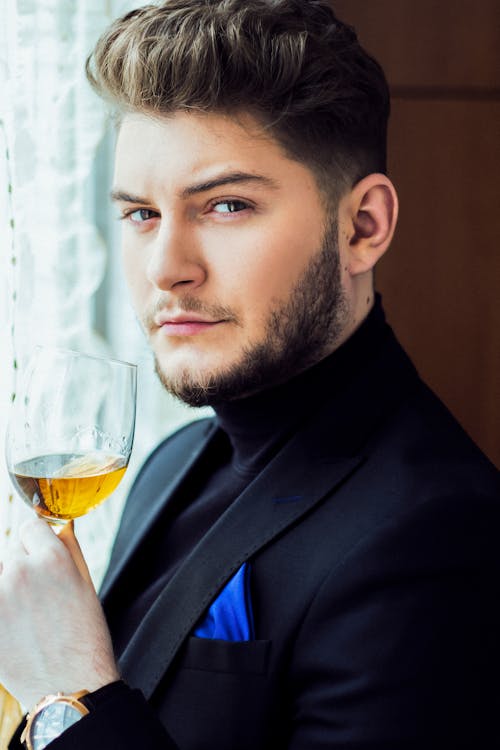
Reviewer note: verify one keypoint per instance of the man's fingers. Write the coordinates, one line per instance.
(68, 538)
(35, 534)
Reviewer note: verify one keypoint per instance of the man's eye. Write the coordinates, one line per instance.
(229, 207)
(141, 215)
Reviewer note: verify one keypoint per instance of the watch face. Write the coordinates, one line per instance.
(51, 722)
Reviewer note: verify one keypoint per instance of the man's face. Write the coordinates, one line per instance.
(231, 257)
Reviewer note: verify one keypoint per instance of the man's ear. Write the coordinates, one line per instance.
(369, 215)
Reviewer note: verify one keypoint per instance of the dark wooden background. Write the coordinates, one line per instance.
(441, 278)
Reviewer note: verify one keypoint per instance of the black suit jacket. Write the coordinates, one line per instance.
(374, 542)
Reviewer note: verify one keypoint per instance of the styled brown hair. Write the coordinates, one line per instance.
(291, 64)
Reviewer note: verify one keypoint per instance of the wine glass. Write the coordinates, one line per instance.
(70, 431)
(68, 444)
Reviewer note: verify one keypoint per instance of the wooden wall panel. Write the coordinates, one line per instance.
(441, 278)
(430, 43)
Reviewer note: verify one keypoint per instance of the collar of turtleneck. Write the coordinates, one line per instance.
(258, 425)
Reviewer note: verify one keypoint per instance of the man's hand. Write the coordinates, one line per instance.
(54, 636)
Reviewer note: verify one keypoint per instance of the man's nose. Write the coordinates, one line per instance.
(175, 259)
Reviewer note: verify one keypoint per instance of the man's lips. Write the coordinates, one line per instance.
(189, 328)
(184, 325)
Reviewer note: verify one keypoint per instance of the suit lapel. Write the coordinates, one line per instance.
(280, 496)
(167, 472)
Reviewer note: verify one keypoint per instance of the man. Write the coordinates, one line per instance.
(317, 566)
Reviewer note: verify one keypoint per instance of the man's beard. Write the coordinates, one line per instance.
(300, 331)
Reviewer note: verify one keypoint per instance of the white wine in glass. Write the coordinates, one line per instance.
(70, 431)
(65, 486)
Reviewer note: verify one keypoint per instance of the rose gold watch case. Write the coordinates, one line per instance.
(72, 700)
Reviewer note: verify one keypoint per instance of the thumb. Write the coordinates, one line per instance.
(68, 538)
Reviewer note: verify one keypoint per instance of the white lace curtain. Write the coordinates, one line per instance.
(59, 281)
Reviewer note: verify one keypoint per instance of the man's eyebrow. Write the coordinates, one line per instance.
(121, 195)
(231, 178)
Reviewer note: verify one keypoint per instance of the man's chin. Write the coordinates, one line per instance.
(193, 386)
(208, 386)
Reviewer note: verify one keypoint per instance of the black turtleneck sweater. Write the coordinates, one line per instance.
(253, 429)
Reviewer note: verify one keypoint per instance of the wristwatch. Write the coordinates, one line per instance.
(51, 717)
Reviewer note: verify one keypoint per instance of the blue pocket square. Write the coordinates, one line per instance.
(230, 616)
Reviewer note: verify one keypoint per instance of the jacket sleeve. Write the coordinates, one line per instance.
(120, 719)
(401, 647)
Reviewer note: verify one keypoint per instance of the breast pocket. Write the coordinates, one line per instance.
(219, 695)
(212, 655)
